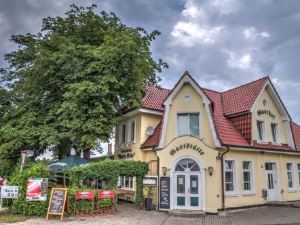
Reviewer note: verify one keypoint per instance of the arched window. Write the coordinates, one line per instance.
(187, 165)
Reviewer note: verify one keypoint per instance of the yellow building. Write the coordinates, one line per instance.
(210, 150)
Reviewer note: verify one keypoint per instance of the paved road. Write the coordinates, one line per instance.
(128, 216)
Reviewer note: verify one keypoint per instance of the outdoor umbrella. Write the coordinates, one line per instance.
(65, 164)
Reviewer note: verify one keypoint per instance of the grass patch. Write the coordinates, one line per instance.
(6, 217)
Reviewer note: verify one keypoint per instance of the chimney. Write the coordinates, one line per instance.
(109, 149)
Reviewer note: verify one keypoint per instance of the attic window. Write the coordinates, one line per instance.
(264, 102)
(187, 99)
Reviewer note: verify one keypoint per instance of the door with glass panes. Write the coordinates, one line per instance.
(271, 181)
(187, 185)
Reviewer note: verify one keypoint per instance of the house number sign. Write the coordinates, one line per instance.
(186, 146)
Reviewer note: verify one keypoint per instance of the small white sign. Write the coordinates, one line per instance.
(9, 191)
(150, 181)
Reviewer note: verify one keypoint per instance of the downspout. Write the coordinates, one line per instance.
(221, 157)
(158, 184)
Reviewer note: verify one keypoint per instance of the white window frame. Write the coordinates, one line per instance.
(277, 133)
(234, 191)
(122, 183)
(177, 123)
(290, 189)
(251, 170)
(121, 133)
(298, 173)
(129, 131)
(263, 131)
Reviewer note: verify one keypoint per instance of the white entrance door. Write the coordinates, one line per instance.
(187, 185)
(271, 182)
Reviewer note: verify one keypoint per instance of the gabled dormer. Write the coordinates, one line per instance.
(270, 119)
(187, 112)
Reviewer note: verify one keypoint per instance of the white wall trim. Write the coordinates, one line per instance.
(142, 110)
(263, 150)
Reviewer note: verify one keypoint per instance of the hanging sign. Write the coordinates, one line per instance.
(164, 196)
(187, 146)
(57, 202)
(37, 189)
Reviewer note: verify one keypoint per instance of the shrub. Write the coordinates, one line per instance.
(109, 171)
(20, 205)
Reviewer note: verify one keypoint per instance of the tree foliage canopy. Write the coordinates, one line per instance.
(69, 83)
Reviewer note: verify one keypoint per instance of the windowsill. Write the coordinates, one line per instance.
(276, 143)
(233, 194)
(127, 189)
(292, 190)
(249, 193)
(262, 142)
(190, 135)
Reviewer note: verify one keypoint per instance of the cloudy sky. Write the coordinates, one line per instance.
(222, 43)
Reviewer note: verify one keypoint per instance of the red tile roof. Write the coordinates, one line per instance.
(226, 132)
(225, 106)
(296, 134)
(153, 140)
(242, 98)
(154, 98)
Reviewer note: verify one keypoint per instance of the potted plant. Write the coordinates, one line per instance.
(148, 198)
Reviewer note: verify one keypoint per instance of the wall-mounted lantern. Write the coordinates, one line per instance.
(164, 170)
(210, 170)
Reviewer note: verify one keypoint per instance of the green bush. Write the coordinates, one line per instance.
(109, 171)
(20, 205)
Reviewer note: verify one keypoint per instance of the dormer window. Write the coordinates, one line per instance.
(274, 128)
(260, 130)
(188, 124)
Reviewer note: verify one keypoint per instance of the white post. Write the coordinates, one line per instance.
(0, 198)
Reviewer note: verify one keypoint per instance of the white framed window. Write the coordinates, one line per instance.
(229, 176)
(290, 175)
(260, 130)
(123, 131)
(131, 131)
(275, 134)
(188, 124)
(298, 167)
(126, 182)
(247, 176)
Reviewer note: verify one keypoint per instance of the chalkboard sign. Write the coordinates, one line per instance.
(57, 202)
(164, 192)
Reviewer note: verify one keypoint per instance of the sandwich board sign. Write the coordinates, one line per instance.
(57, 202)
(9, 192)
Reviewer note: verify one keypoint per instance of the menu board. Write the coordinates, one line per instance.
(57, 202)
(164, 193)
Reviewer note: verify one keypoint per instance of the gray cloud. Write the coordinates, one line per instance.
(223, 43)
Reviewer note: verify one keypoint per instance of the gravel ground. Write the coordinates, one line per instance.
(126, 215)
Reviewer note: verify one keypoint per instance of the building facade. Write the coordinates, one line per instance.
(212, 150)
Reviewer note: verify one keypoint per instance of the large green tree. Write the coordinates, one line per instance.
(70, 82)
